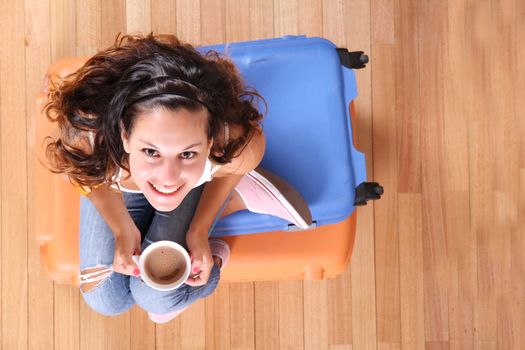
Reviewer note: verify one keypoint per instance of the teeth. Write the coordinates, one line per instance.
(166, 191)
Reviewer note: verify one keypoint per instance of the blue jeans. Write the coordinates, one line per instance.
(117, 293)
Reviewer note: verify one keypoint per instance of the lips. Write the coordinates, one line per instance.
(165, 192)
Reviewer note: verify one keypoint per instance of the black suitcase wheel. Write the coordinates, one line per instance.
(354, 59)
(367, 191)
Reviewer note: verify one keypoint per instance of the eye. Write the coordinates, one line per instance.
(150, 152)
(188, 155)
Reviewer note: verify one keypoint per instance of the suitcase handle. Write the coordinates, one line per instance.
(358, 158)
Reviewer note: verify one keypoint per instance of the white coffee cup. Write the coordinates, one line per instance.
(164, 265)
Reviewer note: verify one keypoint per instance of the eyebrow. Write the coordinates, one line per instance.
(190, 146)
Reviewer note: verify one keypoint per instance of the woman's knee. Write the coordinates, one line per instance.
(163, 302)
(107, 293)
(155, 301)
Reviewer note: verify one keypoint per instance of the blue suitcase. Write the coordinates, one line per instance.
(308, 90)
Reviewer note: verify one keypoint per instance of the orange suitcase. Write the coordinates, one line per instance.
(321, 252)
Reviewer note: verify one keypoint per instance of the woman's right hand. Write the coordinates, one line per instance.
(127, 244)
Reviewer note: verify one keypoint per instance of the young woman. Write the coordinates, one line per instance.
(161, 141)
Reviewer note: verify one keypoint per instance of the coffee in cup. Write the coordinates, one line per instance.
(164, 265)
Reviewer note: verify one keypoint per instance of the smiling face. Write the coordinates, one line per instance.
(167, 154)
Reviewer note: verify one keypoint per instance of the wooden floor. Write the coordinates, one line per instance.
(439, 262)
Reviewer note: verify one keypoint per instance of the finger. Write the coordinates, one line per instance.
(127, 267)
(195, 281)
(196, 266)
(200, 279)
(205, 275)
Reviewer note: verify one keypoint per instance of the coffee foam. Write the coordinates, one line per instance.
(164, 265)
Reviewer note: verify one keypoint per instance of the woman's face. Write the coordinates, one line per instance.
(167, 154)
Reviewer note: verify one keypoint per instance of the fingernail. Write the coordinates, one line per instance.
(195, 270)
(136, 272)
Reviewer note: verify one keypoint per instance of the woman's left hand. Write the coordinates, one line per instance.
(201, 260)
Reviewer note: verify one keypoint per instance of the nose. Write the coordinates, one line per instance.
(169, 173)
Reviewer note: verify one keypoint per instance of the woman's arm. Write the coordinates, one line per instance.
(215, 193)
(111, 206)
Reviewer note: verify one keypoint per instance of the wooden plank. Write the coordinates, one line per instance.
(138, 16)
(462, 270)
(213, 22)
(339, 294)
(168, 336)
(113, 21)
(389, 346)
(261, 19)
(505, 216)
(459, 102)
(382, 22)
(266, 300)
(520, 75)
(291, 333)
(506, 157)
(91, 328)
(486, 345)
(13, 185)
(188, 21)
(218, 328)
(411, 276)
(518, 269)
(436, 345)
(89, 33)
(334, 17)
(63, 15)
(407, 96)
(67, 326)
(193, 326)
(286, 17)
(237, 20)
(431, 54)
(341, 347)
(503, 81)
(311, 18)
(386, 213)
(164, 16)
(40, 286)
(141, 330)
(481, 174)
(116, 334)
(242, 316)
(518, 231)
(364, 318)
(315, 315)
(459, 98)
(102, 332)
(66, 299)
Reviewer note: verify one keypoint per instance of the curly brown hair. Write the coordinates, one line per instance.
(139, 73)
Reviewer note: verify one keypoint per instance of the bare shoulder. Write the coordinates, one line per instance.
(248, 159)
